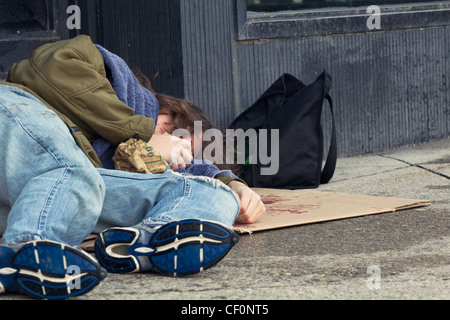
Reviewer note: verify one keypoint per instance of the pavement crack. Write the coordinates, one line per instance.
(417, 166)
(366, 175)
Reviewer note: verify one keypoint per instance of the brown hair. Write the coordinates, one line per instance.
(183, 112)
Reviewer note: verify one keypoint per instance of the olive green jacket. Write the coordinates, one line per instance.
(69, 77)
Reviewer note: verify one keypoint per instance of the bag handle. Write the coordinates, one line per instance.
(330, 165)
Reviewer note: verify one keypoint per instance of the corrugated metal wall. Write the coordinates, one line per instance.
(146, 34)
(208, 59)
(390, 88)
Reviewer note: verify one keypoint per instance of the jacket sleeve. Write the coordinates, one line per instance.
(70, 75)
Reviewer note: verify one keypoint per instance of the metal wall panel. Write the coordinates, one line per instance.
(208, 59)
(146, 34)
(390, 88)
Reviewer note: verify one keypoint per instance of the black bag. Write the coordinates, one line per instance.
(295, 110)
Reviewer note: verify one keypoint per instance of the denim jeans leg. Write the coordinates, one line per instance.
(132, 199)
(52, 190)
(196, 198)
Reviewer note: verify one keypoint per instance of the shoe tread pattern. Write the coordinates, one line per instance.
(50, 270)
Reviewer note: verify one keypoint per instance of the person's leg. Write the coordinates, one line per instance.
(52, 189)
(52, 196)
(171, 224)
(132, 199)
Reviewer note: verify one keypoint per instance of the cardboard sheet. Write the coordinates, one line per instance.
(285, 208)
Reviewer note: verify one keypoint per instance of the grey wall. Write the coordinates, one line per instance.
(146, 34)
(208, 29)
(390, 88)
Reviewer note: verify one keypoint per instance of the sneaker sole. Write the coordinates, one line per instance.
(51, 270)
(179, 248)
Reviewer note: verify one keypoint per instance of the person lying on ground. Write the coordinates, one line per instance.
(56, 191)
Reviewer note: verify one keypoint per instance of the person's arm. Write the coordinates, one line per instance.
(252, 208)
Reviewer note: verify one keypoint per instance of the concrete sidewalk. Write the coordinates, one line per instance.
(402, 255)
(330, 260)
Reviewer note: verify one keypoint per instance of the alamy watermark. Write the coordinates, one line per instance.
(74, 273)
(373, 282)
(235, 147)
(374, 20)
(74, 19)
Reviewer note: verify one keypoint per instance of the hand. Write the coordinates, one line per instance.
(172, 149)
(252, 208)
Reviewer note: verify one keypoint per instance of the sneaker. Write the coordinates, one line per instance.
(178, 248)
(48, 270)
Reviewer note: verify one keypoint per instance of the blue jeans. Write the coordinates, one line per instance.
(50, 190)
